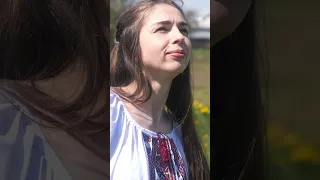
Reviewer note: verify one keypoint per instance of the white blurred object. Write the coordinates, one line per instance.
(204, 20)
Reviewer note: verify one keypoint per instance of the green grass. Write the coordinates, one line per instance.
(200, 68)
(201, 83)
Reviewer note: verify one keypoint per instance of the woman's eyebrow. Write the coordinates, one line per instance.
(182, 23)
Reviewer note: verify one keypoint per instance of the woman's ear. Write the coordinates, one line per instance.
(226, 16)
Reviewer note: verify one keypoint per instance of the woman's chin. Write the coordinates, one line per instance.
(175, 71)
(168, 70)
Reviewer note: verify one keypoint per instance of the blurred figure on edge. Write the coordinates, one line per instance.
(54, 115)
(238, 72)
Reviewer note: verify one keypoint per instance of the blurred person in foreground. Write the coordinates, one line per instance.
(239, 94)
(54, 115)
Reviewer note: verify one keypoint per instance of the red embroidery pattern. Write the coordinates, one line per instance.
(165, 161)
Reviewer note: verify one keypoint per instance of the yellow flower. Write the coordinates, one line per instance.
(205, 110)
(195, 103)
(205, 145)
(306, 153)
(205, 136)
(199, 105)
(196, 121)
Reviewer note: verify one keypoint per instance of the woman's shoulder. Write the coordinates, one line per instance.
(16, 137)
(21, 136)
(11, 107)
(115, 103)
(16, 121)
(113, 98)
(10, 113)
(116, 111)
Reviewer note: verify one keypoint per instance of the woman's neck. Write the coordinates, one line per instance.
(150, 114)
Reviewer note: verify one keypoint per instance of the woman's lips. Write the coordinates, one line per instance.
(176, 54)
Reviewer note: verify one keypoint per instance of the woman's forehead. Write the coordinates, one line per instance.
(163, 13)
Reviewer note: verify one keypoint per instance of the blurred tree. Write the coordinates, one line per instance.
(116, 8)
(191, 18)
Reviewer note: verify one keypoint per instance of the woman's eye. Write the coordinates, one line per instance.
(162, 29)
(184, 31)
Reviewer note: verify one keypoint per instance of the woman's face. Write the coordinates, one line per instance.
(164, 42)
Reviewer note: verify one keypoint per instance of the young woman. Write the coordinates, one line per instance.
(238, 75)
(152, 135)
(53, 92)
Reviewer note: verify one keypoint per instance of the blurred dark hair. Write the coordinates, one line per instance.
(126, 67)
(40, 39)
(239, 107)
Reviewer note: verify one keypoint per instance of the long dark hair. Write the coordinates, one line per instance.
(41, 39)
(126, 67)
(239, 107)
